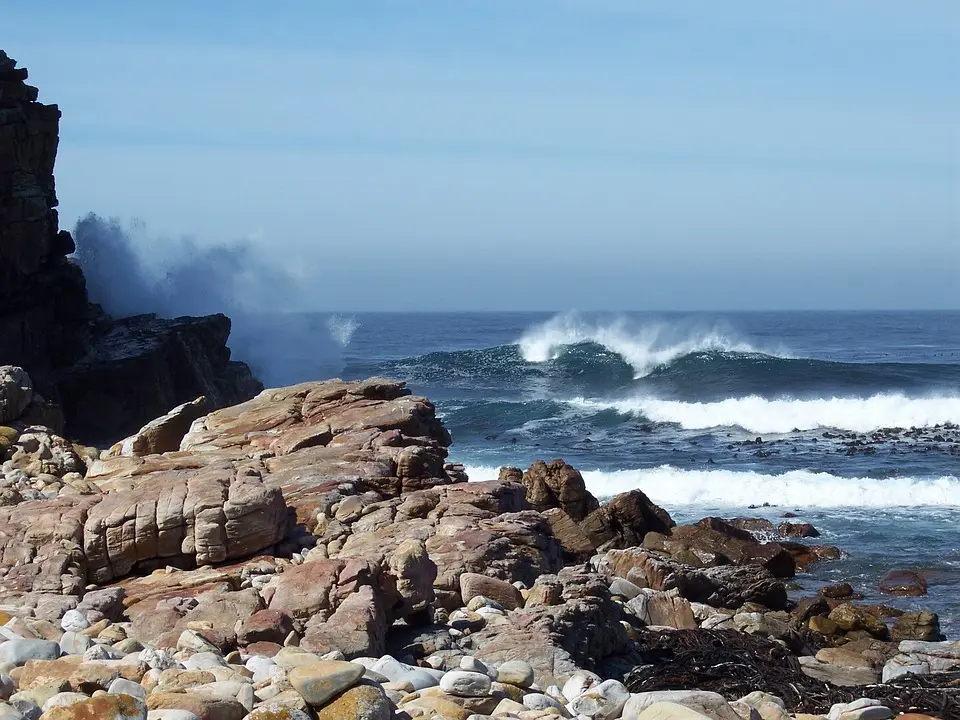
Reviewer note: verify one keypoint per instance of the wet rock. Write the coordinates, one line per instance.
(903, 582)
(625, 520)
(917, 625)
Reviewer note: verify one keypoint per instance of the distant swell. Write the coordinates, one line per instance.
(758, 414)
(671, 487)
(644, 348)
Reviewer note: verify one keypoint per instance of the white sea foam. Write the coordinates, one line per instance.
(644, 348)
(757, 414)
(342, 329)
(672, 487)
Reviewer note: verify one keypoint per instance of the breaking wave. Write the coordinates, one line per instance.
(671, 487)
(762, 415)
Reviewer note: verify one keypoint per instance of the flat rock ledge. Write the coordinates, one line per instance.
(311, 553)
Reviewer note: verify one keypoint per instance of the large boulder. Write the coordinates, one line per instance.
(558, 485)
(625, 520)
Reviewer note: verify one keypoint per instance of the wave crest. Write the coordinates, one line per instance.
(671, 487)
(762, 415)
(645, 348)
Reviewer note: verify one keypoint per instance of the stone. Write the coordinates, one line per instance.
(667, 711)
(837, 674)
(74, 644)
(320, 681)
(625, 520)
(216, 514)
(516, 672)
(904, 583)
(463, 683)
(16, 393)
(102, 707)
(362, 702)
(415, 573)
(202, 706)
(121, 686)
(850, 617)
(265, 626)
(603, 702)
(578, 683)
(74, 621)
(916, 625)
(164, 433)
(558, 485)
(274, 712)
(19, 652)
(703, 703)
(473, 585)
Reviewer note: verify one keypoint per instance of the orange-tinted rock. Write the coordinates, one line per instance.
(903, 582)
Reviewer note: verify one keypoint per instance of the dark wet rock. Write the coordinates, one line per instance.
(798, 530)
(625, 520)
(723, 586)
(712, 542)
(903, 582)
(839, 591)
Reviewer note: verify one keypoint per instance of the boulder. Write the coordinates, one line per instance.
(625, 520)
(903, 582)
(558, 485)
(320, 681)
(917, 625)
(164, 433)
(474, 584)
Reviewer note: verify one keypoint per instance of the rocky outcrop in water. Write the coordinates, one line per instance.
(108, 376)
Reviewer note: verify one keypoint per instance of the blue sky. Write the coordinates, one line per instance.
(524, 154)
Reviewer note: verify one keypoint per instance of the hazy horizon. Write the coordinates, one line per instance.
(612, 155)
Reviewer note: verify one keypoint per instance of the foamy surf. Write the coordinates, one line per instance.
(645, 348)
(672, 487)
(761, 415)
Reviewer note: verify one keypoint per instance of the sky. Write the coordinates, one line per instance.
(522, 154)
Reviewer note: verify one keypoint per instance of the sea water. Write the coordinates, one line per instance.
(750, 414)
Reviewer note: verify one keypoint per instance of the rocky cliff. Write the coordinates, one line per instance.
(110, 376)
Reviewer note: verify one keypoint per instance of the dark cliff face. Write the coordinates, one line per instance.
(110, 376)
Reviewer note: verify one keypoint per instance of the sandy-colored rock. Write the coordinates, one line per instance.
(363, 702)
(320, 681)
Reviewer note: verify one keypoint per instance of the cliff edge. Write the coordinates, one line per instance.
(109, 376)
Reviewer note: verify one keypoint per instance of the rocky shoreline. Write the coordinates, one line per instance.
(312, 553)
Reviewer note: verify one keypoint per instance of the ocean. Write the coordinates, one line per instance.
(848, 420)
